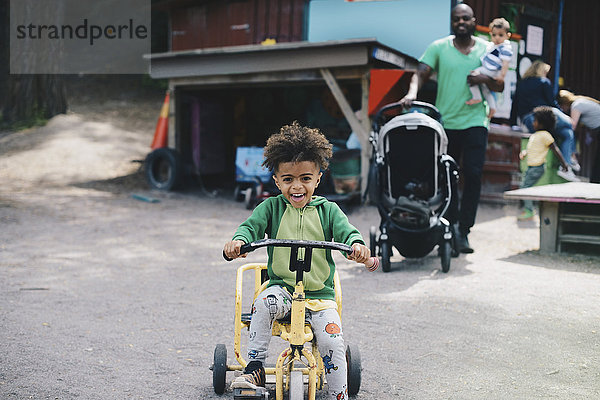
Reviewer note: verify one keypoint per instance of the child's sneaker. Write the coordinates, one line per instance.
(525, 215)
(567, 175)
(252, 378)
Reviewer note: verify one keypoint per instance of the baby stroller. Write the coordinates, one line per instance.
(412, 181)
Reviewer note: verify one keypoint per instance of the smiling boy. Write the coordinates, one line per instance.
(296, 155)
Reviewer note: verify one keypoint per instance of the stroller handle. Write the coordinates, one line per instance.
(435, 113)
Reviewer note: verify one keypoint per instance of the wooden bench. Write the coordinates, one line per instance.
(569, 214)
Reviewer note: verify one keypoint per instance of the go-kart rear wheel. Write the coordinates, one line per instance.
(373, 241)
(446, 255)
(219, 368)
(296, 386)
(354, 369)
(386, 254)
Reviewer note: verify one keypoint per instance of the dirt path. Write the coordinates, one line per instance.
(106, 297)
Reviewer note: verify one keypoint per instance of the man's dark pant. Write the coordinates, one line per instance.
(467, 147)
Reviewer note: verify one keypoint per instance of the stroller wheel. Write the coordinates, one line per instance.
(373, 241)
(446, 255)
(386, 253)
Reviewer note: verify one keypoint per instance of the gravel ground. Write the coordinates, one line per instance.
(103, 296)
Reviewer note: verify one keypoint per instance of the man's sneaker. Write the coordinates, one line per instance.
(525, 215)
(252, 378)
(567, 175)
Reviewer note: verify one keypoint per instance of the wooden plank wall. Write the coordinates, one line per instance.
(580, 50)
(231, 23)
(580, 62)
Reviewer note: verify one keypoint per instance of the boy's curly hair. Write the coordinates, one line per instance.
(296, 143)
(545, 118)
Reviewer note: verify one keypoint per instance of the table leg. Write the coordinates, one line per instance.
(548, 226)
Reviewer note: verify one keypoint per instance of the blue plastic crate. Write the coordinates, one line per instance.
(248, 165)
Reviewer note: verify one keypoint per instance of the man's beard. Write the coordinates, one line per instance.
(467, 34)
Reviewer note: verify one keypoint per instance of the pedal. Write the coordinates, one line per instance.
(250, 394)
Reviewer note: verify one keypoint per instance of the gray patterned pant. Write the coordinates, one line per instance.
(275, 303)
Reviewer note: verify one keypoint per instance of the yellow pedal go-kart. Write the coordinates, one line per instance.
(296, 361)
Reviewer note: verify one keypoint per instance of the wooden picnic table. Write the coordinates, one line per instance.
(569, 214)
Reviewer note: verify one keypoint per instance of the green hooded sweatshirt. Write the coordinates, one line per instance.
(320, 220)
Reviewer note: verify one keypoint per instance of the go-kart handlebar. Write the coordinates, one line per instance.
(312, 244)
(372, 263)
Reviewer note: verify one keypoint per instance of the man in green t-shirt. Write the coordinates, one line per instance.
(454, 58)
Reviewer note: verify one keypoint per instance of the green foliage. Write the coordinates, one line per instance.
(37, 119)
(154, 83)
(511, 12)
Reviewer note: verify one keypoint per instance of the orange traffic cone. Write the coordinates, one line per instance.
(161, 134)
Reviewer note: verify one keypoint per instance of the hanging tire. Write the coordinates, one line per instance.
(446, 255)
(219, 368)
(163, 169)
(373, 241)
(354, 369)
(386, 254)
(296, 386)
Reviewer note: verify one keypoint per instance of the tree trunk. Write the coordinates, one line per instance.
(26, 97)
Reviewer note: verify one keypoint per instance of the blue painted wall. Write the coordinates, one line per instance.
(406, 25)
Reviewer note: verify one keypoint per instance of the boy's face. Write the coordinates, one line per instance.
(536, 124)
(297, 181)
(499, 35)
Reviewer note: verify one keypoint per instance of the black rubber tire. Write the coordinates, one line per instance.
(296, 386)
(386, 254)
(250, 197)
(373, 184)
(219, 368)
(163, 170)
(354, 369)
(237, 193)
(446, 255)
(373, 241)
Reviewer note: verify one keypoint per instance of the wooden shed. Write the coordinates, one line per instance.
(226, 97)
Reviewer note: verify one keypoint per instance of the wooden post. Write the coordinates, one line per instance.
(173, 117)
(361, 128)
(365, 144)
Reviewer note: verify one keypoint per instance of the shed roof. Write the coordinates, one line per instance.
(279, 57)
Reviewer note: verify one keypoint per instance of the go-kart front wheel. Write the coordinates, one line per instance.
(354, 369)
(296, 386)
(219, 368)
